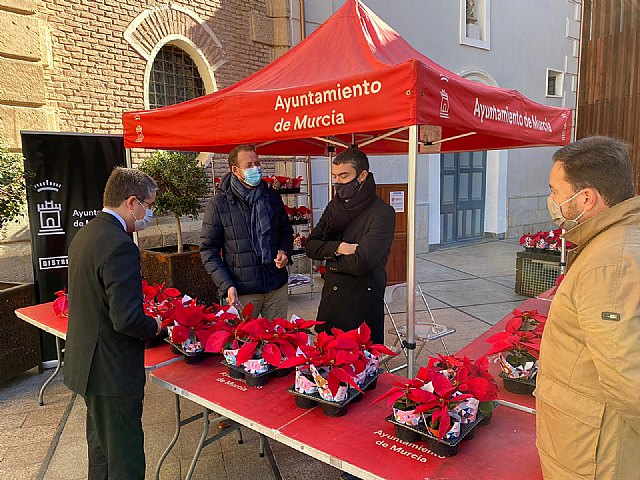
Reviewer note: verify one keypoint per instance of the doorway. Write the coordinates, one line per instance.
(463, 179)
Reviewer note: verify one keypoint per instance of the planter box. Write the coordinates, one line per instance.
(183, 271)
(536, 272)
(19, 341)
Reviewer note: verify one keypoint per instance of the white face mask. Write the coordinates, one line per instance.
(555, 210)
(145, 221)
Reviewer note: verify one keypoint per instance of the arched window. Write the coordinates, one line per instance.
(174, 78)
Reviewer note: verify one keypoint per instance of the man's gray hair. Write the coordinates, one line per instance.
(125, 182)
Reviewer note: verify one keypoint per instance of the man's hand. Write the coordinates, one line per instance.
(232, 297)
(281, 259)
(346, 248)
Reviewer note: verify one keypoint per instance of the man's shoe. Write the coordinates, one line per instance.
(222, 425)
(348, 476)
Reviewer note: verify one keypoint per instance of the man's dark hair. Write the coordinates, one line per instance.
(233, 154)
(355, 157)
(124, 182)
(598, 162)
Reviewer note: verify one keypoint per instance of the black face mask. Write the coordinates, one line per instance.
(346, 191)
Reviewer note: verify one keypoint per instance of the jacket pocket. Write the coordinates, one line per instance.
(567, 427)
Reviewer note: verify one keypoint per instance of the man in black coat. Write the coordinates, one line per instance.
(246, 239)
(354, 237)
(104, 352)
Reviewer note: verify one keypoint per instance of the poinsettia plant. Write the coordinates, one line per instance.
(543, 240)
(191, 321)
(225, 331)
(272, 340)
(519, 345)
(430, 393)
(61, 304)
(160, 300)
(344, 357)
(466, 375)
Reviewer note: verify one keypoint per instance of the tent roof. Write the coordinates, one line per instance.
(353, 75)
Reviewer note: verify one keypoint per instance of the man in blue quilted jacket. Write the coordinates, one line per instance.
(246, 239)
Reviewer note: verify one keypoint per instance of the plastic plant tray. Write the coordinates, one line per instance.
(240, 369)
(465, 428)
(351, 394)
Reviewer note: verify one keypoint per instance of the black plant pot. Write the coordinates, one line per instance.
(358, 398)
(405, 434)
(470, 435)
(174, 349)
(282, 372)
(442, 449)
(256, 381)
(194, 358)
(485, 421)
(233, 373)
(304, 402)
(334, 411)
(372, 385)
(519, 386)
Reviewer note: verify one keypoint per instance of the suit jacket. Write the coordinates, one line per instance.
(104, 351)
(354, 285)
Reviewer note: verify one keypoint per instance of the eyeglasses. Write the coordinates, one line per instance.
(151, 207)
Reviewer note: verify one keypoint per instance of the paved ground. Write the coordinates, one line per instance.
(468, 287)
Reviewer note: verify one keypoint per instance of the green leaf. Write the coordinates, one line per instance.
(181, 180)
(12, 186)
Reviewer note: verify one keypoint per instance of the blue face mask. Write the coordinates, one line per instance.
(146, 220)
(252, 176)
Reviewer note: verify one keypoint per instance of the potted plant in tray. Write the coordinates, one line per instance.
(335, 370)
(182, 183)
(190, 325)
(518, 349)
(20, 345)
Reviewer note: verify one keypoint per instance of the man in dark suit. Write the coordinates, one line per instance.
(354, 237)
(104, 352)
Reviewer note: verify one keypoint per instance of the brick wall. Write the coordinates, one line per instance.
(94, 74)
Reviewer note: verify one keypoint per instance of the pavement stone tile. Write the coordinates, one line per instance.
(18, 456)
(24, 436)
(11, 420)
(45, 415)
(505, 280)
(479, 291)
(23, 473)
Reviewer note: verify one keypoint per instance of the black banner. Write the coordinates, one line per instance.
(69, 172)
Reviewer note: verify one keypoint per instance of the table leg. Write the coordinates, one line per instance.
(55, 372)
(173, 440)
(203, 438)
(263, 440)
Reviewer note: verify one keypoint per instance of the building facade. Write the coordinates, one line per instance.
(531, 47)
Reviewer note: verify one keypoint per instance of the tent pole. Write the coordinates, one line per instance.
(127, 156)
(410, 342)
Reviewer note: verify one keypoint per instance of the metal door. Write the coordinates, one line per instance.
(462, 195)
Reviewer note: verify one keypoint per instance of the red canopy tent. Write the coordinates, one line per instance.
(354, 80)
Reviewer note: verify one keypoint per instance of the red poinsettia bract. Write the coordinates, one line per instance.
(61, 304)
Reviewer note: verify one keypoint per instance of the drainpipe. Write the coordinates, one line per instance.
(302, 21)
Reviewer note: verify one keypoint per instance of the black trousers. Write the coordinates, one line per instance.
(115, 437)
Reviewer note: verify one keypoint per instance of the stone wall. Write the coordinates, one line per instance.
(77, 65)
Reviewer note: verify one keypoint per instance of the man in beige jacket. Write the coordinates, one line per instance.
(588, 387)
